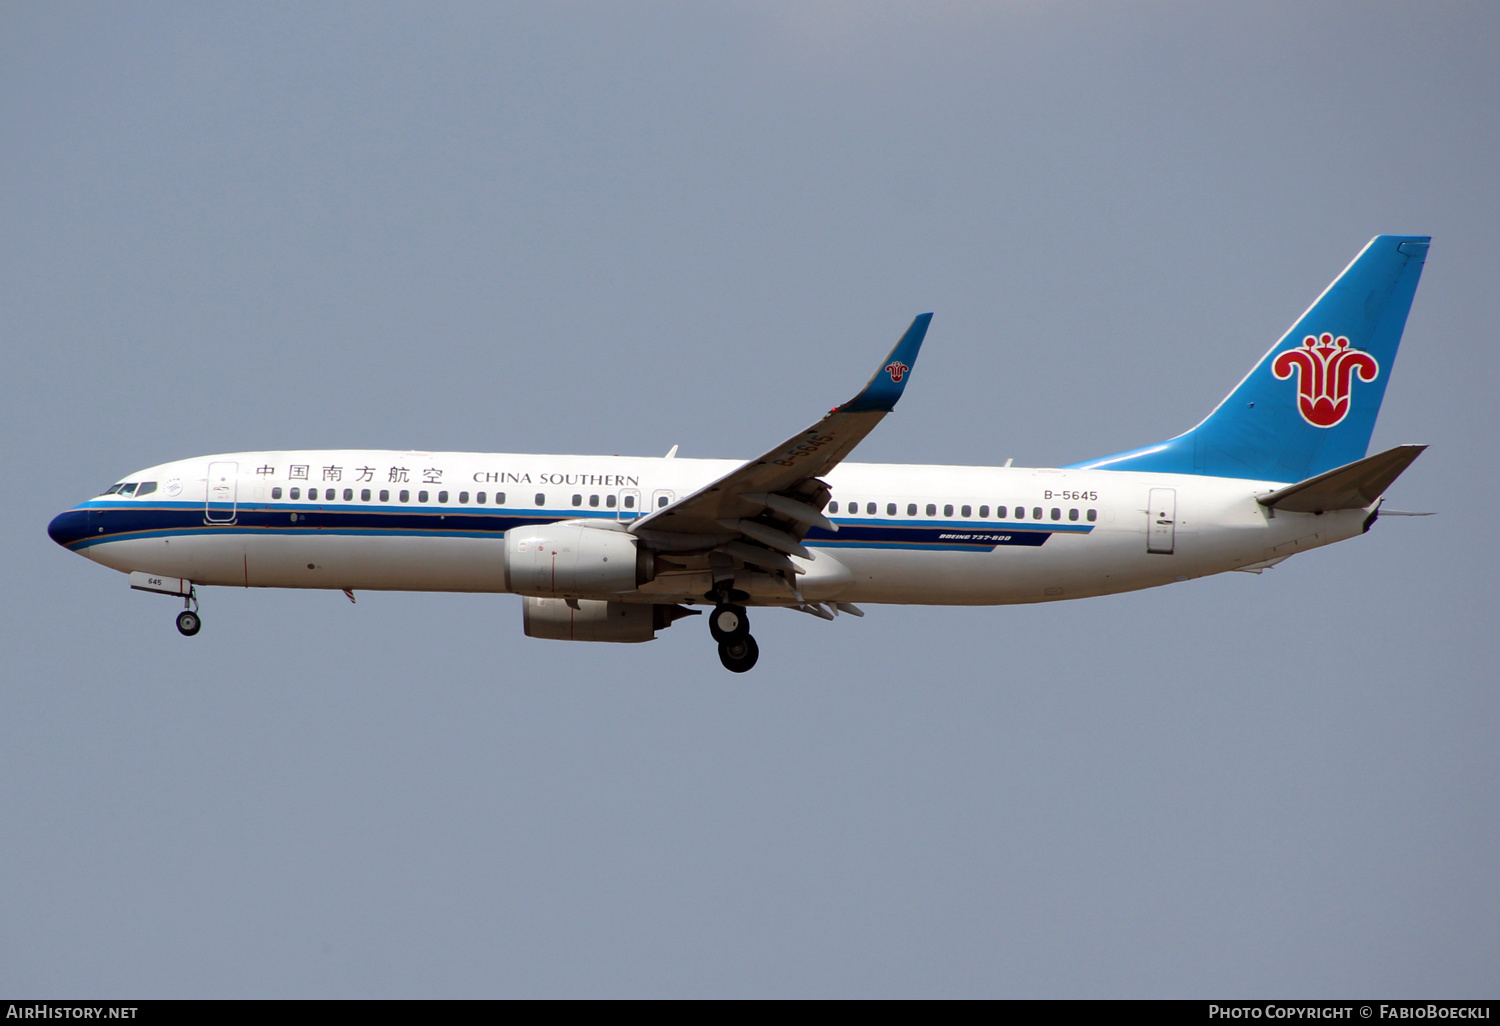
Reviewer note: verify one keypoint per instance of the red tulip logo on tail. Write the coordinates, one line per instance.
(897, 370)
(1325, 367)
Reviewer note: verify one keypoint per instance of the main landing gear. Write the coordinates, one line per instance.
(730, 627)
(739, 654)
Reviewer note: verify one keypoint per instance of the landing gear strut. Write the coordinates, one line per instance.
(188, 621)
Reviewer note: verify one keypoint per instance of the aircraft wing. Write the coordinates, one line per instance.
(768, 504)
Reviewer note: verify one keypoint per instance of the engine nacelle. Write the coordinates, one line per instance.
(567, 560)
(595, 620)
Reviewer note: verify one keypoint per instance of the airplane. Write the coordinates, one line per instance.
(617, 548)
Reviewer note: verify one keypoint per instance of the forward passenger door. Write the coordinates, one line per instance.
(223, 488)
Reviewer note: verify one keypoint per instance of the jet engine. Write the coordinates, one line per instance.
(569, 560)
(593, 620)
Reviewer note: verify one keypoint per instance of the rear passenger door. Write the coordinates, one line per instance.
(1161, 521)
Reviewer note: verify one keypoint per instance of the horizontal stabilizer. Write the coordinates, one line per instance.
(1352, 486)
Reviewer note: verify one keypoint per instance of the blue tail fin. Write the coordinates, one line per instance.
(1309, 405)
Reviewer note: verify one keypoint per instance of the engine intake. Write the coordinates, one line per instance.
(573, 560)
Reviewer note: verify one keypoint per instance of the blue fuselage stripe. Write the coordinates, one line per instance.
(99, 522)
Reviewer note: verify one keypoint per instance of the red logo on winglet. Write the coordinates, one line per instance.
(897, 370)
(1325, 367)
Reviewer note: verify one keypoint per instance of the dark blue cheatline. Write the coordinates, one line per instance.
(94, 523)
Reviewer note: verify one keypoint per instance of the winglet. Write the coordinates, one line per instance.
(882, 390)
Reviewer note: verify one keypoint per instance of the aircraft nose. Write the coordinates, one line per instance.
(69, 527)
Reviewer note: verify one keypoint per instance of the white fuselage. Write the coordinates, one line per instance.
(935, 536)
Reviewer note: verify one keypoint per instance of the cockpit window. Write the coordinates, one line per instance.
(146, 488)
(112, 489)
(127, 490)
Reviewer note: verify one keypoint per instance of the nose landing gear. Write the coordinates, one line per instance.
(188, 621)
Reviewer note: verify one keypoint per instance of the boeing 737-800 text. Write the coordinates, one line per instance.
(612, 548)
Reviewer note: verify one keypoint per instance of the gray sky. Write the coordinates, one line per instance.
(615, 228)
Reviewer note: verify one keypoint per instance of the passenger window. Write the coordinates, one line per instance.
(630, 502)
(312, 495)
(348, 494)
(364, 495)
(593, 502)
(442, 497)
(948, 510)
(609, 501)
(385, 495)
(499, 498)
(966, 511)
(276, 492)
(911, 509)
(833, 507)
(127, 490)
(577, 499)
(479, 498)
(296, 493)
(463, 498)
(931, 510)
(1056, 513)
(1072, 514)
(984, 511)
(146, 488)
(541, 499)
(422, 496)
(890, 509)
(405, 495)
(1093, 515)
(1036, 512)
(1000, 512)
(661, 501)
